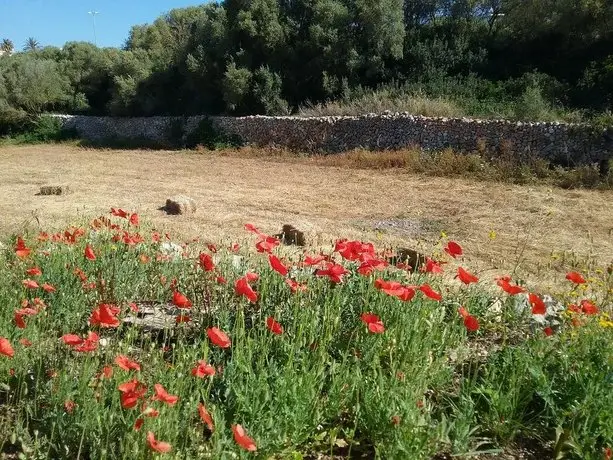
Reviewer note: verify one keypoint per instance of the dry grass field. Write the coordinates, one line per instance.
(501, 226)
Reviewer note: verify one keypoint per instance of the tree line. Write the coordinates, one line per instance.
(273, 56)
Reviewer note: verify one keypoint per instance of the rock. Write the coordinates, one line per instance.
(290, 235)
(54, 190)
(180, 204)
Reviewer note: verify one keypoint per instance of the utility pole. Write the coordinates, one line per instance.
(94, 13)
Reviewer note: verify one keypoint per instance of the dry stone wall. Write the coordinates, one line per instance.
(570, 144)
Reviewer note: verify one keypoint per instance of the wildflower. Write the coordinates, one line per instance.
(370, 265)
(20, 313)
(277, 265)
(334, 272)
(89, 253)
(126, 363)
(211, 247)
(131, 392)
(34, 271)
(588, 307)
(470, 322)
(221, 280)
(107, 372)
(206, 262)
(21, 250)
(138, 424)
(242, 439)
(538, 306)
(82, 345)
(395, 289)
(242, 287)
(134, 220)
(218, 337)
(314, 260)
(505, 283)
(48, 287)
(373, 323)
(105, 316)
(162, 395)
(235, 247)
(119, 213)
(25, 342)
(466, 277)
(575, 277)
(206, 417)
(429, 292)
(273, 326)
(548, 331)
(69, 406)
(203, 369)
(453, 249)
(354, 250)
(295, 286)
(158, 446)
(251, 228)
(5, 347)
(180, 301)
(30, 284)
(182, 319)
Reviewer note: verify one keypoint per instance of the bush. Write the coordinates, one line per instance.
(23, 129)
(206, 135)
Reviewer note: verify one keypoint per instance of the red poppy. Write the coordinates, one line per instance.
(372, 321)
(82, 345)
(206, 262)
(370, 265)
(218, 337)
(266, 243)
(5, 347)
(294, 285)
(72, 339)
(277, 265)
(144, 259)
(548, 331)
(34, 271)
(158, 446)
(69, 406)
(334, 272)
(505, 283)
(588, 307)
(105, 316)
(471, 323)
(162, 395)
(273, 326)
(211, 247)
(89, 253)
(251, 277)
(575, 277)
(429, 292)
(180, 301)
(608, 453)
(242, 439)
(463, 312)
(107, 372)
(466, 277)
(395, 289)
(48, 287)
(126, 363)
(251, 228)
(203, 369)
(314, 260)
(453, 249)
(119, 213)
(221, 280)
(182, 319)
(131, 392)
(20, 313)
(235, 247)
(241, 287)
(538, 306)
(138, 424)
(21, 250)
(25, 342)
(43, 236)
(30, 284)
(134, 220)
(206, 417)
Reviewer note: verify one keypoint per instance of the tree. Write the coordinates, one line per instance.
(6, 46)
(31, 44)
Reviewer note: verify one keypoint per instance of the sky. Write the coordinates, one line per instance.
(54, 22)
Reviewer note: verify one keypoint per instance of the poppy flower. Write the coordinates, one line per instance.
(266, 243)
(241, 287)
(221, 280)
(206, 417)
(588, 307)
(277, 265)
(453, 249)
(373, 323)
(538, 306)
(72, 339)
(34, 271)
(505, 283)
(131, 392)
(20, 313)
(203, 369)
(30, 284)
(273, 326)
(144, 259)
(162, 395)
(158, 446)
(294, 285)
(211, 247)
(242, 439)
(107, 372)
(138, 424)
(251, 228)
(82, 345)
(235, 247)
(48, 287)
(548, 331)
(180, 301)
(371, 265)
(134, 220)
(206, 262)
(43, 236)
(395, 289)
(334, 272)
(25, 342)
(466, 277)
(5, 347)
(21, 250)
(69, 406)
(126, 363)
(119, 213)
(89, 253)
(251, 277)
(575, 277)
(105, 316)
(470, 322)
(429, 292)
(182, 319)
(314, 260)
(218, 337)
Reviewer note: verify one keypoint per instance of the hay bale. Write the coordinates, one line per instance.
(54, 190)
(180, 204)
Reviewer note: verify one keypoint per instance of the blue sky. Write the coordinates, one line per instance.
(54, 22)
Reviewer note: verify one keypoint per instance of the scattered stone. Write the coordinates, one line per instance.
(408, 256)
(173, 250)
(290, 235)
(54, 190)
(154, 316)
(180, 204)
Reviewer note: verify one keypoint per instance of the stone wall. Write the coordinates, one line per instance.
(560, 143)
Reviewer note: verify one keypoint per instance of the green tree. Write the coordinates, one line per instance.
(31, 44)
(6, 46)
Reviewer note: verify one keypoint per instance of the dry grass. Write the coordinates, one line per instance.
(232, 188)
